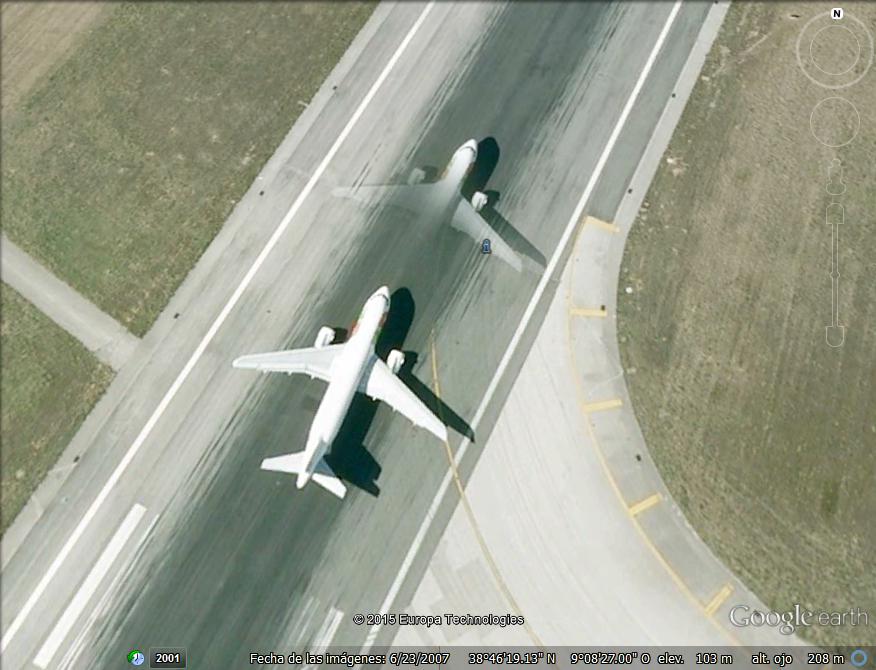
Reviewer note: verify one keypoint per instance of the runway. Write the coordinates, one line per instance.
(238, 560)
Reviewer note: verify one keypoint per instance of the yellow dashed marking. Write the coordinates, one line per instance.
(599, 312)
(647, 503)
(591, 407)
(658, 555)
(719, 599)
(599, 223)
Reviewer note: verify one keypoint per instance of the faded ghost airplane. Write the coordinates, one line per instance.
(348, 368)
(443, 199)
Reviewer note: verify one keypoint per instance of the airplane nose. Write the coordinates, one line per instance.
(383, 291)
(473, 145)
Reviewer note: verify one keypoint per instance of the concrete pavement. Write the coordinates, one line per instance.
(229, 558)
(565, 520)
(105, 337)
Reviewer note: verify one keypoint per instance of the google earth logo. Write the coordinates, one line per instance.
(136, 657)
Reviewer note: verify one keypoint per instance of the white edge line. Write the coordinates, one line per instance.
(89, 586)
(10, 632)
(527, 316)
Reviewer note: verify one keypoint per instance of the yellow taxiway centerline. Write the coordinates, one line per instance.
(504, 589)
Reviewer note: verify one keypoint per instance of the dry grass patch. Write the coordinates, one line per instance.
(49, 384)
(765, 435)
(123, 164)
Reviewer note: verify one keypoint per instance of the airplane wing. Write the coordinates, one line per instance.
(468, 221)
(316, 363)
(413, 198)
(407, 196)
(383, 385)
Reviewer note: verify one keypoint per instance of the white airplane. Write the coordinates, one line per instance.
(348, 368)
(443, 200)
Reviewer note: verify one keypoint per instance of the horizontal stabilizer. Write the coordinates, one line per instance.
(294, 463)
(326, 478)
(289, 463)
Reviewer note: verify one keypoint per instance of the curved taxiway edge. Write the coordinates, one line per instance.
(565, 519)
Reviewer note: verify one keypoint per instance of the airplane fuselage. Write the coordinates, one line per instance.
(347, 373)
(448, 190)
(353, 362)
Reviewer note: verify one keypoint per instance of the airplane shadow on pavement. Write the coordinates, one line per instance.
(349, 457)
(477, 180)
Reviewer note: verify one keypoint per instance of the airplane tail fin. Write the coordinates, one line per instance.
(293, 464)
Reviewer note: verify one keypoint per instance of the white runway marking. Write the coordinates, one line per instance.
(527, 316)
(75, 648)
(327, 630)
(89, 586)
(10, 632)
(306, 615)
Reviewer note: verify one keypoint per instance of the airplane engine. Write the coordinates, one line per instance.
(395, 360)
(479, 201)
(324, 337)
(416, 177)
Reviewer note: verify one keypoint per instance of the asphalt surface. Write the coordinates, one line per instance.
(617, 565)
(238, 559)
